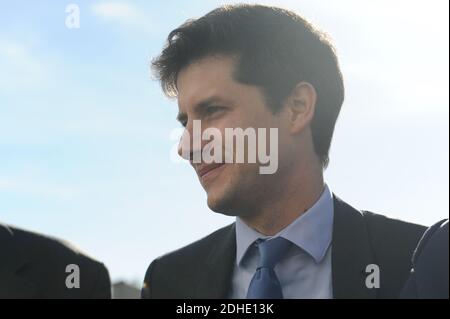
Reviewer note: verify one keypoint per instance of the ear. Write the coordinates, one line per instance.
(301, 105)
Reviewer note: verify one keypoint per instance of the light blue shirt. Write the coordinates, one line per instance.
(305, 271)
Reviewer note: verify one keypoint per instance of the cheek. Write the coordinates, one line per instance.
(244, 174)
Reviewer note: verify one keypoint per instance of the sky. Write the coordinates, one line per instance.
(86, 135)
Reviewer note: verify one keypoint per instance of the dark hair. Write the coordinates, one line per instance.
(276, 49)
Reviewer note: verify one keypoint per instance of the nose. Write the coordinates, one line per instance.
(191, 144)
(184, 146)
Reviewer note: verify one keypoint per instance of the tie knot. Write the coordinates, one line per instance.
(271, 251)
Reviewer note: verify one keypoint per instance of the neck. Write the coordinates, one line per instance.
(299, 193)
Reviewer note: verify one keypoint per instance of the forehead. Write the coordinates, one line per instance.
(209, 77)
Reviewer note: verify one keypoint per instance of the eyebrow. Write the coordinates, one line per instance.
(199, 107)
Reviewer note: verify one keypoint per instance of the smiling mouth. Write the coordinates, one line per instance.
(209, 170)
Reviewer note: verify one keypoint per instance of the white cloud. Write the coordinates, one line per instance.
(123, 13)
(20, 67)
(116, 10)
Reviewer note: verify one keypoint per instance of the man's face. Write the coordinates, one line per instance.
(208, 92)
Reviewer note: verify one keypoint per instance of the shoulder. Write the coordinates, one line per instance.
(46, 259)
(393, 243)
(383, 233)
(434, 241)
(176, 268)
(383, 229)
(392, 240)
(38, 246)
(429, 274)
(195, 250)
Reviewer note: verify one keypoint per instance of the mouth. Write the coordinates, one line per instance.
(207, 171)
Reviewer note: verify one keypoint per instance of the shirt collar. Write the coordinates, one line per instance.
(311, 231)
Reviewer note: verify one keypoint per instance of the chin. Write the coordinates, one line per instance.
(222, 204)
(230, 205)
(232, 195)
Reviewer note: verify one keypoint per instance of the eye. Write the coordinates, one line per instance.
(213, 109)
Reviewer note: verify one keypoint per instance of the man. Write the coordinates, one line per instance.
(429, 275)
(35, 266)
(252, 66)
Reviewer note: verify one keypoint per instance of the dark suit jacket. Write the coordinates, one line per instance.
(429, 275)
(204, 268)
(34, 266)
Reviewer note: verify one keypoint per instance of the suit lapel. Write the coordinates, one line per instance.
(351, 253)
(12, 284)
(215, 277)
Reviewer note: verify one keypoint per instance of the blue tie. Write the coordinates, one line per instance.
(265, 283)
